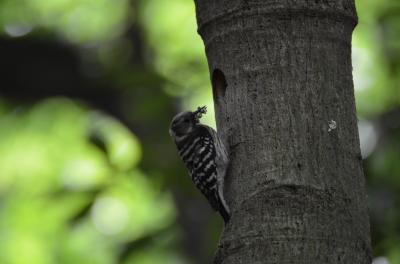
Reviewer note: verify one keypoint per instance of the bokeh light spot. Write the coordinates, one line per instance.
(17, 30)
(362, 68)
(380, 260)
(368, 137)
(109, 215)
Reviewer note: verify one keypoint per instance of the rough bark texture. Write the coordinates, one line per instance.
(283, 92)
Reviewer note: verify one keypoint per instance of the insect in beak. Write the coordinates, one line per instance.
(199, 112)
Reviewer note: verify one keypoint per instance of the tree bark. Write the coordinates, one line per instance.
(284, 100)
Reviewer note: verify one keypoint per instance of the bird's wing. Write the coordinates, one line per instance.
(222, 162)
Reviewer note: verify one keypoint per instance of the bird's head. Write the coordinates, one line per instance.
(185, 122)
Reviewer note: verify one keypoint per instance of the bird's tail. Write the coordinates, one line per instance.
(225, 214)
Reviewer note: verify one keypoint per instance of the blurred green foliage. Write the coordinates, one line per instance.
(84, 182)
(178, 51)
(376, 72)
(80, 21)
(51, 174)
(376, 56)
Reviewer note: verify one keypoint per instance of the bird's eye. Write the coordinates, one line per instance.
(186, 120)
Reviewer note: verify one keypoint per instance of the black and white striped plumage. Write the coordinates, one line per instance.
(204, 155)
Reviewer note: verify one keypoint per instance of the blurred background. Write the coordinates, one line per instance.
(88, 173)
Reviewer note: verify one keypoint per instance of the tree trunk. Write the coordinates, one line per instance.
(284, 100)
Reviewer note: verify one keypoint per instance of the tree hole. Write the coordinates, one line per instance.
(218, 85)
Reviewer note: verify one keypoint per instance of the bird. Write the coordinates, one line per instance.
(205, 156)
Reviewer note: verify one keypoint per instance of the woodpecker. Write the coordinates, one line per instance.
(204, 155)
